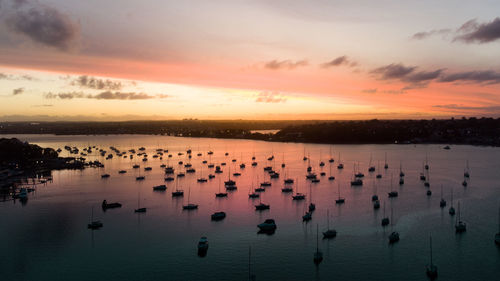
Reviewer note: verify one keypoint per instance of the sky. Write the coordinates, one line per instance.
(106, 60)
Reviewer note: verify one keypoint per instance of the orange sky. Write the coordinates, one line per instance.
(230, 65)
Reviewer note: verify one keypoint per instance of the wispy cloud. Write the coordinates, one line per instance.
(425, 34)
(42, 24)
(470, 32)
(407, 74)
(342, 60)
(107, 95)
(90, 82)
(485, 76)
(285, 64)
(491, 109)
(17, 91)
(270, 97)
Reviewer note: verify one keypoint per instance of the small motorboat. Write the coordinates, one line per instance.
(221, 194)
(253, 195)
(261, 207)
(178, 193)
(307, 216)
(393, 194)
(394, 237)
(217, 216)
(357, 182)
(160, 187)
(299, 196)
(202, 246)
(140, 210)
(122, 172)
(104, 176)
(190, 206)
(140, 178)
(95, 225)
(106, 205)
(267, 225)
(287, 189)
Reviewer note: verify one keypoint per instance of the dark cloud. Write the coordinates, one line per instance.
(425, 34)
(107, 95)
(393, 71)
(89, 82)
(422, 76)
(17, 91)
(407, 74)
(485, 76)
(343, 60)
(42, 24)
(270, 97)
(480, 33)
(285, 64)
(469, 32)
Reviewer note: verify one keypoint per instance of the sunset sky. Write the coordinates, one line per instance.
(260, 59)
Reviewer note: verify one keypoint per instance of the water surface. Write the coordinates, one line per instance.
(48, 239)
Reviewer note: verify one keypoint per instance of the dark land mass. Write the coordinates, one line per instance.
(20, 161)
(475, 131)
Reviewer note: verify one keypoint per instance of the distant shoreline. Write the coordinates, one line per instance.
(471, 131)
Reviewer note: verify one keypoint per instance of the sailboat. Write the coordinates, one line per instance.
(340, 200)
(427, 182)
(304, 158)
(392, 193)
(283, 163)
(331, 177)
(261, 206)
(394, 236)
(94, 224)
(220, 194)
(139, 209)
(189, 206)
(385, 220)
(331, 158)
(379, 175)
(370, 167)
(460, 226)
(329, 233)
(431, 269)
(386, 166)
(426, 162)
(466, 172)
(312, 206)
(318, 255)
(298, 196)
(252, 194)
(442, 203)
(401, 173)
(451, 211)
(178, 192)
(374, 196)
(340, 165)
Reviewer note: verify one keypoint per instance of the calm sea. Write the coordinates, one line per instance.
(47, 238)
